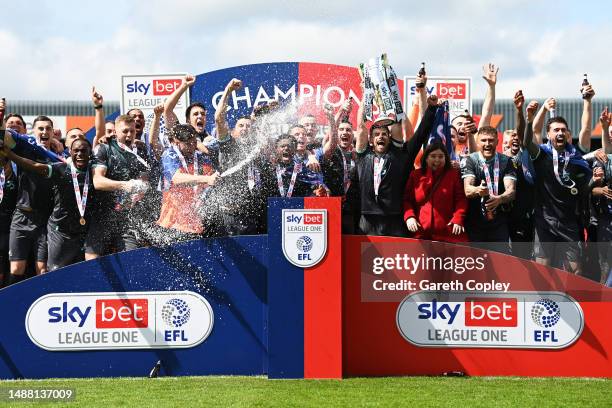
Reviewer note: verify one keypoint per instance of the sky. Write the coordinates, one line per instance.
(56, 50)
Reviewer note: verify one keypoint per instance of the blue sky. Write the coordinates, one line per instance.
(57, 50)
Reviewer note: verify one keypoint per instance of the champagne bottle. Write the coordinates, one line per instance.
(585, 83)
(421, 74)
(489, 214)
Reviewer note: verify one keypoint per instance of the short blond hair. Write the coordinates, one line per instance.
(127, 119)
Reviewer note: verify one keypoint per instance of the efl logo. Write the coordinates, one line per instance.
(451, 90)
(313, 219)
(304, 235)
(162, 87)
(122, 313)
(491, 312)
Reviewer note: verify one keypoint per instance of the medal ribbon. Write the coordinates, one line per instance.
(2, 181)
(566, 157)
(253, 177)
(297, 167)
(134, 151)
(81, 200)
(346, 179)
(492, 186)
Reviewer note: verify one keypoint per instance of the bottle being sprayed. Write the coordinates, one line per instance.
(585, 83)
(488, 214)
(421, 74)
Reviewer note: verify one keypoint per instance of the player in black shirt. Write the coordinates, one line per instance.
(8, 199)
(489, 180)
(337, 158)
(602, 199)
(238, 198)
(73, 194)
(384, 163)
(28, 238)
(562, 179)
(120, 175)
(521, 217)
(280, 177)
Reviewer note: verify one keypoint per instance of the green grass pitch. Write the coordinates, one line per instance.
(353, 392)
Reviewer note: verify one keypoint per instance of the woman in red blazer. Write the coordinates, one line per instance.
(438, 216)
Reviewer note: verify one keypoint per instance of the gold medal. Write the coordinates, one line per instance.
(82, 221)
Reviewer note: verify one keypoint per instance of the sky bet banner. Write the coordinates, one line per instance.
(458, 91)
(427, 308)
(493, 319)
(357, 306)
(199, 307)
(144, 92)
(111, 321)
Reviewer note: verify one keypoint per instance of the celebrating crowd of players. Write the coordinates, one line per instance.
(543, 198)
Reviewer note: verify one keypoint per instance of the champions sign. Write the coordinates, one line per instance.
(109, 321)
(304, 236)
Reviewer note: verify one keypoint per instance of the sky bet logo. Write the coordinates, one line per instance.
(448, 90)
(513, 319)
(110, 314)
(161, 87)
(112, 321)
(451, 90)
(487, 312)
(309, 219)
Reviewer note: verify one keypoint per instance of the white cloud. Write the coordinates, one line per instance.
(453, 38)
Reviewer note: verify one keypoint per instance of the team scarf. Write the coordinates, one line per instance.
(308, 176)
(575, 157)
(441, 131)
(26, 146)
(526, 165)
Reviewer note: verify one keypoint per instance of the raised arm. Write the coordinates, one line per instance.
(490, 75)
(156, 146)
(170, 118)
(331, 142)
(424, 129)
(221, 112)
(528, 143)
(98, 103)
(361, 132)
(421, 95)
(549, 105)
(605, 119)
(584, 137)
(471, 131)
(519, 101)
